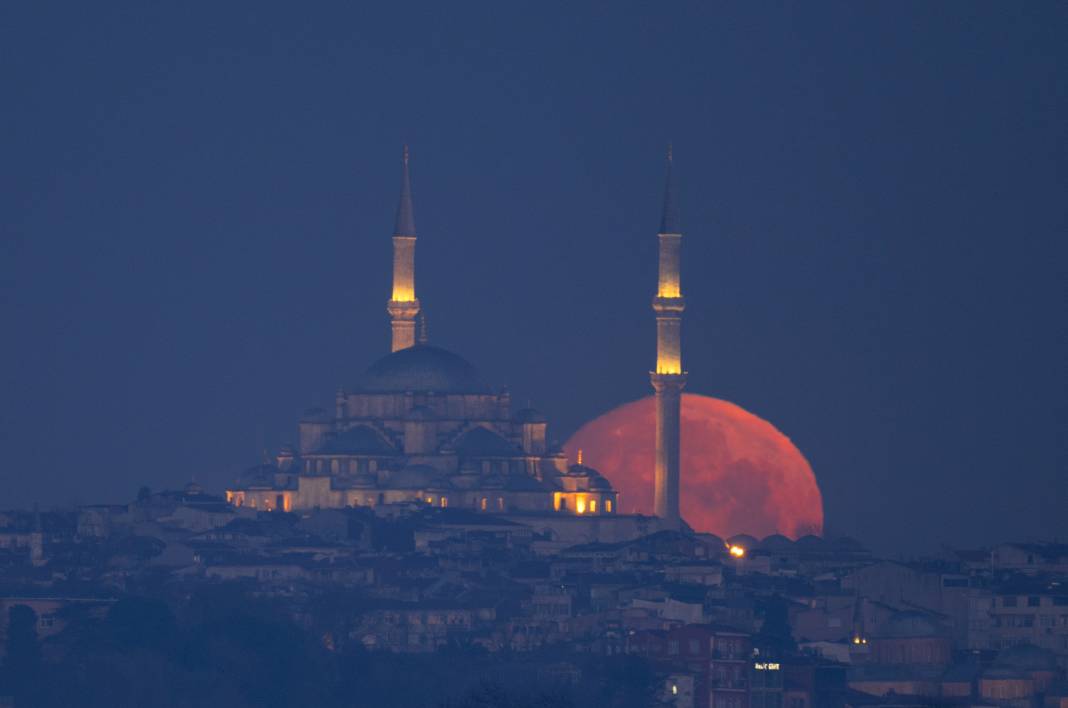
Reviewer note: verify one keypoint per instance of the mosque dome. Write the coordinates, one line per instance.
(422, 368)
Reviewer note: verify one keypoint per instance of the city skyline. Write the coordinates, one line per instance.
(182, 287)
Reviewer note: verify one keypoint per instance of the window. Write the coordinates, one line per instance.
(482, 505)
(608, 506)
(673, 647)
(695, 646)
(444, 502)
(1034, 601)
(593, 506)
(1008, 601)
(500, 503)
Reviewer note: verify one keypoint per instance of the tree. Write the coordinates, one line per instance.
(22, 665)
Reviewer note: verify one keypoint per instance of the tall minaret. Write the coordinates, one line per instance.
(669, 378)
(403, 307)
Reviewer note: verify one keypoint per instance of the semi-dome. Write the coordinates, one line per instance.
(422, 368)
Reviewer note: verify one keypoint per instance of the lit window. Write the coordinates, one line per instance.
(593, 506)
(483, 504)
(580, 505)
(608, 506)
(500, 503)
(430, 500)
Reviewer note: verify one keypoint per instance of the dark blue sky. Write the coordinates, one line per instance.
(196, 203)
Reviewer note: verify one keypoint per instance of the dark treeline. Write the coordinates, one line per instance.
(221, 647)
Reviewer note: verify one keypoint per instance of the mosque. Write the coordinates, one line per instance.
(421, 427)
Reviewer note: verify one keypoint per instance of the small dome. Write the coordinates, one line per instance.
(599, 483)
(422, 368)
(811, 543)
(420, 413)
(530, 415)
(776, 542)
(744, 540)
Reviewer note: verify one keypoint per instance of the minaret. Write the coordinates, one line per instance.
(669, 378)
(403, 307)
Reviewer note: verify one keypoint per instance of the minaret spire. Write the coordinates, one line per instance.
(403, 306)
(669, 217)
(404, 225)
(669, 378)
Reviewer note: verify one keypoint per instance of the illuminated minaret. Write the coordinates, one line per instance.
(403, 306)
(669, 378)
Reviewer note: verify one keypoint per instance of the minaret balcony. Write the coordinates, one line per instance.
(667, 381)
(403, 309)
(665, 305)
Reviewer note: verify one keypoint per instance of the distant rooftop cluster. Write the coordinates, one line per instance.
(735, 621)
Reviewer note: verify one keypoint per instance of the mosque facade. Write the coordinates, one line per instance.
(421, 427)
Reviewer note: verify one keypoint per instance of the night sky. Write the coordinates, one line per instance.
(196, 203)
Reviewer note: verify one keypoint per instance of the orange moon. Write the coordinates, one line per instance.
(739, 474)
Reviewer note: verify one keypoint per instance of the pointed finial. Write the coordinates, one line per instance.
(405, 221)
(669, 218)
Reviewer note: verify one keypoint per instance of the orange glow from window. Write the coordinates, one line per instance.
(668, 366)
(737, 551)
(593, 506)
(403, 293)
(608, 506)
(669, 288)
(580, 505)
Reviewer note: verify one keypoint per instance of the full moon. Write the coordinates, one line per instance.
(739, 474)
